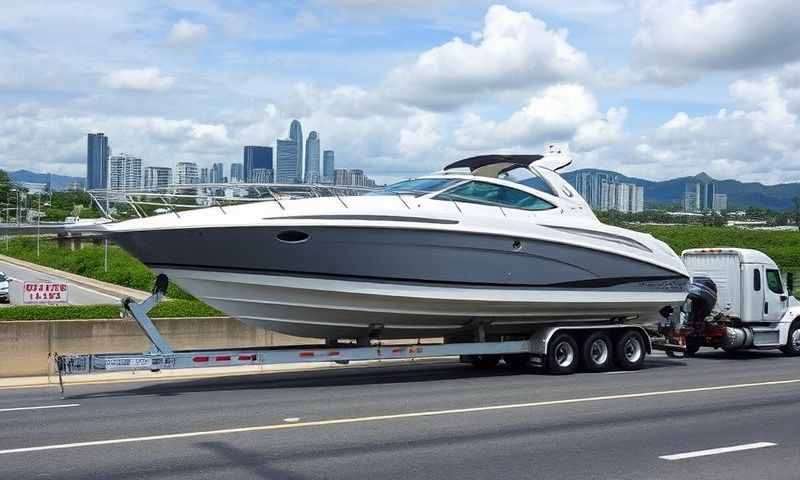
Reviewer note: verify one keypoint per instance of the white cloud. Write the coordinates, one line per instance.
(513, 51)
(678, 39)
(306, 20)
(185, 33)
(142, 79)
(565, 112)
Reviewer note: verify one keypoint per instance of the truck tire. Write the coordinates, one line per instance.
(629, 351)
(562, 355)
(792, 347)
(485, 362)
(597, 352)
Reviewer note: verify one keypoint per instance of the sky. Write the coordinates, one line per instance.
(653, 89)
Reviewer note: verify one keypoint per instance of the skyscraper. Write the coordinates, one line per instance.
(311, 174)
(237, 172)
(97, 153)
(157, 177)
(286, 171)
(327, 166)
(296, 134)
(256, 157)
(186, 173)
(125, 172)
(217, 176)
(203, 175)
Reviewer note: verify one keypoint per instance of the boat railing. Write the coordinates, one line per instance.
(177, 198)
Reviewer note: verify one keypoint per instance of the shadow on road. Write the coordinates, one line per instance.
(348, 376)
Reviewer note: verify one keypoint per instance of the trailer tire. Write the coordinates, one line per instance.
(562, 355)
(792, 347)
(597, 352)
(485, 362)
(629, 351)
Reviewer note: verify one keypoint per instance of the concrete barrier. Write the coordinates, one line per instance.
(26, 345)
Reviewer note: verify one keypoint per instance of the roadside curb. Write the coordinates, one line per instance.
(100, 286)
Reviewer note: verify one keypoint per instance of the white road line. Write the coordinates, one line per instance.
(42, 407)
(717, 451)
(291, 420)
(433, 413)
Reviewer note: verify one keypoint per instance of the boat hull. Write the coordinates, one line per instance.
(357, 281)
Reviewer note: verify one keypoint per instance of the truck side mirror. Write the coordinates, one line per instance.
(790, 283)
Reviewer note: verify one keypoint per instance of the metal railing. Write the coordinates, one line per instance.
(174, 198)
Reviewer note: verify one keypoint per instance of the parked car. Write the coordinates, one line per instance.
(4, 281)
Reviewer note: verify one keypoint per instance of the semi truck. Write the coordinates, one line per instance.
(737, 299)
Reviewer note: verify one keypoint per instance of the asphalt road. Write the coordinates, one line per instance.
(434, 420)
(78, 295)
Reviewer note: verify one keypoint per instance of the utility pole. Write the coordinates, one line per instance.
(38, 221)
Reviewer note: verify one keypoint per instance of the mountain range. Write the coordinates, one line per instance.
(57, 182)
(740, 194)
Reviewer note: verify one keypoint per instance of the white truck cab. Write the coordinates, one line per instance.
(754, 308)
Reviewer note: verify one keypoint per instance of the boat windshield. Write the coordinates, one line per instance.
(525, 176)
(417, 186)
(484, 193)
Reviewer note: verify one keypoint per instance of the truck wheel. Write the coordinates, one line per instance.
(596, 352)
(629, 351)
(792, 347)
(517, 361)
(692, 348)
(485, 362)
(562, 355)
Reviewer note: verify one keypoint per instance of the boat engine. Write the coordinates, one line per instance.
(701, 300)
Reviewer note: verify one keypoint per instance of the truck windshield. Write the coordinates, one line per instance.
(774, 282)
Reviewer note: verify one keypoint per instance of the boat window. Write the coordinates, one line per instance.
(774, 282)
(497, 195)
(527, 177)
(417, 186)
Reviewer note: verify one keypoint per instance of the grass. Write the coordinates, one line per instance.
(123, 269)
(781, 246)
(167, 309)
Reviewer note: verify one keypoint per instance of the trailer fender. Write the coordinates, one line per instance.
(540, 340)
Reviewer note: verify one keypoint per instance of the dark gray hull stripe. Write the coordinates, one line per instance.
(581, 284)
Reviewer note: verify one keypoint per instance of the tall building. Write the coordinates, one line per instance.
(125, 172)
(237, 172)
(203, 175)
(186, 173)
(296, 134)
(692, 198)
(256, 157)
(217, 175)
(341, 176)
(327, 166)
(155, 177)
(603, 191)
(709, 190)
(97, 154)
(286, 171)
(720, 202)
(311, 173)
(261, 175)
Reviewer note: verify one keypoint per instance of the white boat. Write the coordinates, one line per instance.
(500, 241)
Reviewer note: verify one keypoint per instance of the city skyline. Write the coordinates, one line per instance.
(260, 164)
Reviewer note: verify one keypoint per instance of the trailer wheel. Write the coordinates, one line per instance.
(630, 351)
(792, 347)
(485, 362)
(597, 352)
(562, 355)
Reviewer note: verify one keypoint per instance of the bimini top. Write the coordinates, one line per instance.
(474, 163)
(555, 158)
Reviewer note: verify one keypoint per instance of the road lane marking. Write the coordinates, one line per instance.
(717, 451)
(291, 420)
(41, 407)
(433, 413)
